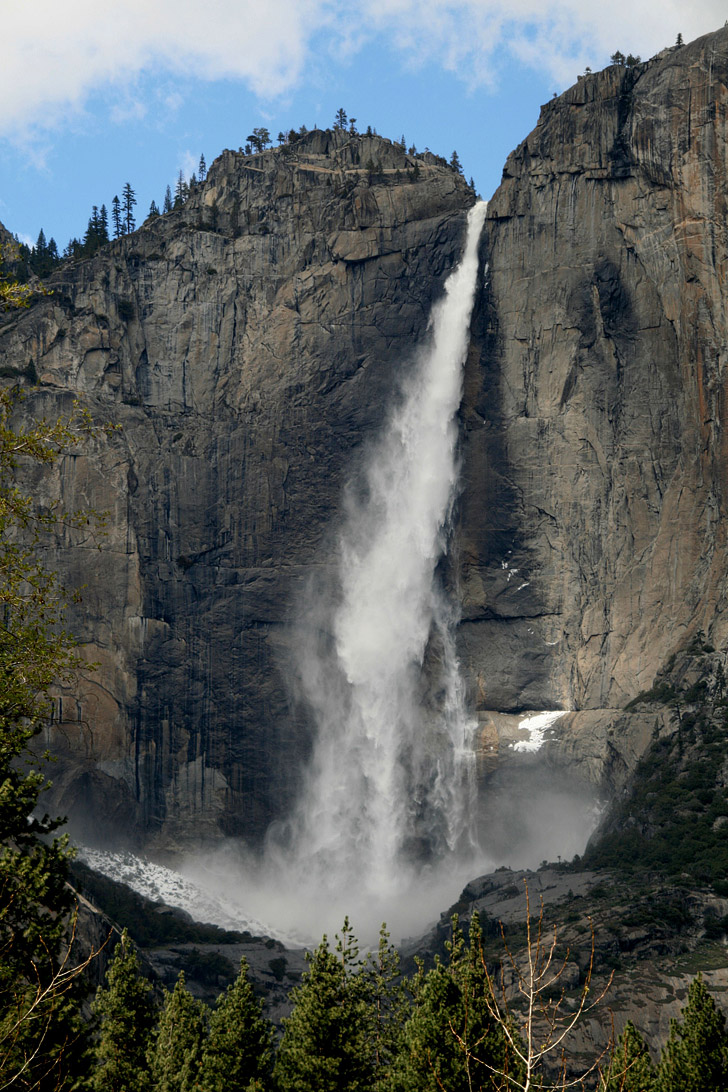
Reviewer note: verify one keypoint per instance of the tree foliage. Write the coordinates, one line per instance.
(325, 1045)
(452, 1040)
(239, 1047)
(630, 1068)
(695, 1058)
(125, 1012)
(175, 1053)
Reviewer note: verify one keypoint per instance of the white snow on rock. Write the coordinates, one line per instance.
(161, 884)
(537, 724)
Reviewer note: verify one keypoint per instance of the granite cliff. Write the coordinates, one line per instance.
(592, 530)
(249, 342)
(246, 344)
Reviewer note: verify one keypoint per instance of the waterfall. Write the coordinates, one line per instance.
(384, 825)
(389, 791)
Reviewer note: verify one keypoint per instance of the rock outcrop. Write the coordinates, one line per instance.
(592, 527)
(246, 344)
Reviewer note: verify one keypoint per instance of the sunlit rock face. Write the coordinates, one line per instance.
(247, 344)
(592, 532)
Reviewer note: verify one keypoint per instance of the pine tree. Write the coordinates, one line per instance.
(181, 191)
(167, 203)
(388, 1006)
(450, 1040)
(175, 1053)
(153, 211)
(202, 169)
(259, 139)
(116, 216)
(104, 224)
(695, 1058)
(325, 1044)
(39, 1029)
(455, 163)
(126, 1015)
(239, 1047)
(630, 1068)
(341, 120)
(127, 208)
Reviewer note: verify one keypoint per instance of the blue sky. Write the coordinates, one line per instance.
(94, 95)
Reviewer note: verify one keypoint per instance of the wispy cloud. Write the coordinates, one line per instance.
(56, 55)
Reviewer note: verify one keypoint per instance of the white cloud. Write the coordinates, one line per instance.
(477, 38)
(188, 164)
(56, 54)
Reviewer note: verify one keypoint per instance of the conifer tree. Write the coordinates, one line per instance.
(450, 1040)
(39, 1029)
(181, 191)
(695, 1058)
(167, 203)
(127, 208)
(153, 211)
(202, 169)
(175, 1052)
(126, 1014)
(455, 163)
(325, 1045)
(630, 1068)
(239, 1047)
(116, 216)
(259, 139)
(388, 1007)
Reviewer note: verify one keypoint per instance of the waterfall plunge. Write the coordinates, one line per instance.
(383, 826)
(390, 787)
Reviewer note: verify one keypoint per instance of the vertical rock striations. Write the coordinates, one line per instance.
(592, 531)
(247, 344)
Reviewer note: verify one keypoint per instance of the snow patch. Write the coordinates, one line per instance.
(536, 725)
(161, 884)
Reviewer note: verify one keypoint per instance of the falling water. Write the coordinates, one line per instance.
(383, 826)
(391, 778)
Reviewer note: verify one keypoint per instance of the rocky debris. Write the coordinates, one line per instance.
(649, 937)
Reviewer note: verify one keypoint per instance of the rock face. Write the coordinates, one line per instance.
(592, 529)
(246, 344)
(249, 342)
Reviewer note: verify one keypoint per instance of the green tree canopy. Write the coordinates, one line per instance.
(126, 1016)
(239, 1047)
(175, 1052)
(630, 1068)
(325, 1045)
(695, 1058)
(451, 1041)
